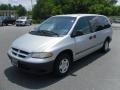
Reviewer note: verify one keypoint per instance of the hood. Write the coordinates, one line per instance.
(34, 43)
(21, 20)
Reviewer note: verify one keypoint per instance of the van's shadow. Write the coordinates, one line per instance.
(31, 81)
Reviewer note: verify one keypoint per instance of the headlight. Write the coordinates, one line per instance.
(23, 22)
(41, 55)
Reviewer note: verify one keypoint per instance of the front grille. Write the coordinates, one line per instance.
(19, 53)
(18, 21)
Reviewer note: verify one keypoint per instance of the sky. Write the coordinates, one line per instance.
(118, 2)
(25, 3)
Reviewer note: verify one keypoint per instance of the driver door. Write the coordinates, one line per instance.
(83, 42)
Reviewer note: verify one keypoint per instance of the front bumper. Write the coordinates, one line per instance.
(43, 67)
(0, 23)
(20, 23)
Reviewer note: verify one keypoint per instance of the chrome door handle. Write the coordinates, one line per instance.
(94, 36)
(90, 37)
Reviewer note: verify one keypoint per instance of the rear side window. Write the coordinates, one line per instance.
(99, 23)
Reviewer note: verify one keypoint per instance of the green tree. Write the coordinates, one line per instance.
(56, 10)
(6, 7)
(108, 11)
(45, 8)
(3, 7)
(97, 8)
(116, 11)
(21, 11)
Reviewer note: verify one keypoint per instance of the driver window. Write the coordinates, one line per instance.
(83, 26)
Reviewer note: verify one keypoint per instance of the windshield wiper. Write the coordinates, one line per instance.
(44, 32)
(49, 32)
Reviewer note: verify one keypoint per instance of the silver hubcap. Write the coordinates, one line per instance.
(64, 65)
(106, 46)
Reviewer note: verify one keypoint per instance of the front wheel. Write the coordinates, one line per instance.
(30, 23)
(2, 24)
(62, 65)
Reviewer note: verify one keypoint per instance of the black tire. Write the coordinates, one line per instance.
(13, 23)
(2, 24)
(57, 72)
(26, 24)
(105, 47)
(30, 23)
(17, 25)
(6, 24)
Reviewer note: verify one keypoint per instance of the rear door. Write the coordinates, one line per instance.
(9, 20)
(99, 25)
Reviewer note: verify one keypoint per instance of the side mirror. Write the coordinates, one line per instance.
(76, 33)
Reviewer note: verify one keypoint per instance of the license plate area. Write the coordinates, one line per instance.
(14, 62)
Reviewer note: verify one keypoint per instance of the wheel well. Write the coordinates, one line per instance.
(68, 51)
(108, 38)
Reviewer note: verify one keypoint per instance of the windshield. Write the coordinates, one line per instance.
(55, 26)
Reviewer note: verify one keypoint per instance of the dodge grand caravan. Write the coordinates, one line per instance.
(59, 41)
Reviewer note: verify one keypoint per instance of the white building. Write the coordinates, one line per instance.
(7, 13)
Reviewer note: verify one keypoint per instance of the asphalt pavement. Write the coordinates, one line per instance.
(97, 71)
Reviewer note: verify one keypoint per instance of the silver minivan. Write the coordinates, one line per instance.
(59, 41)
(23, 21)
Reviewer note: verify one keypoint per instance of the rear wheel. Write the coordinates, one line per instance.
(6, 24)
(13, 23)
(105, 47)
(62, 65)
